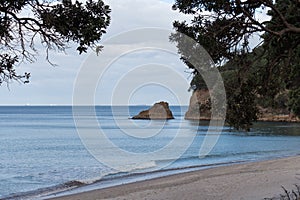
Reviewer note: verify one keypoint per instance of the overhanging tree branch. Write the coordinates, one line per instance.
(55, 24)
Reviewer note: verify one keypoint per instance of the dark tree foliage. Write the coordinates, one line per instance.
(294, 102)
(241, 104)
(225, 29)
(52, 23)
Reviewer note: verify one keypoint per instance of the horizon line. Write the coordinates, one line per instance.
(82, 105)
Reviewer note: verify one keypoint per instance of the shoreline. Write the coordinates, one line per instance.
(254, 180)
(275, 118)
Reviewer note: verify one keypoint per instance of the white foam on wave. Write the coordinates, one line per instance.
(122, 169)
(137, 166)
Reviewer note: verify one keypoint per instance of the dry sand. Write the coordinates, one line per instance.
(251, 181)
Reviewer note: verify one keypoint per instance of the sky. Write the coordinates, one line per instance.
(142, 76)
(127, 72)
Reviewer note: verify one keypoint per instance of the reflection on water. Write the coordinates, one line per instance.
(276, 128)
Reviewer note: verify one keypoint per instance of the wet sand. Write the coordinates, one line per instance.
(257, 180)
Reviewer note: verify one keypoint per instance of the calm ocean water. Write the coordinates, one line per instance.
(41, 153)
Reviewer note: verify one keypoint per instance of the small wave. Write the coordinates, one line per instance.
(223, 155)
(170, 171)
(35, 194)
(134, 167)
(126, 170)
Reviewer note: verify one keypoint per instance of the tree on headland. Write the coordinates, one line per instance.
(226, 28)
(52, 23)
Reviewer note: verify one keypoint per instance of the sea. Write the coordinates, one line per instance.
(44, 152)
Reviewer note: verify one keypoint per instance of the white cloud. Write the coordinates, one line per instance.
(131, 14)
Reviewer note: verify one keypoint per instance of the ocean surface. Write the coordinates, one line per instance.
(42, 155)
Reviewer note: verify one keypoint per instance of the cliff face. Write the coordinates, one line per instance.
(199, 109)
(159, 111)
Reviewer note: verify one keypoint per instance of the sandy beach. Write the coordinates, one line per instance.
(257, 180)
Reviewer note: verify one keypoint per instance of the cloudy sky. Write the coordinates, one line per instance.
(139, 76)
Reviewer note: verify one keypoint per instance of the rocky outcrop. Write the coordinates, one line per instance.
(199, 107)
(276, 115)
(159, 111)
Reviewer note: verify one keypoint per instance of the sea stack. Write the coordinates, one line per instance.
(159, 111)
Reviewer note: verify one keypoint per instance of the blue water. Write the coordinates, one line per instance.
(41, 152)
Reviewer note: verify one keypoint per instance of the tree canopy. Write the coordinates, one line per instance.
(52, 23)
(226, 28)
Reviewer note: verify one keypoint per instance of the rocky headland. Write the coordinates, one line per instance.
(200, 106)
